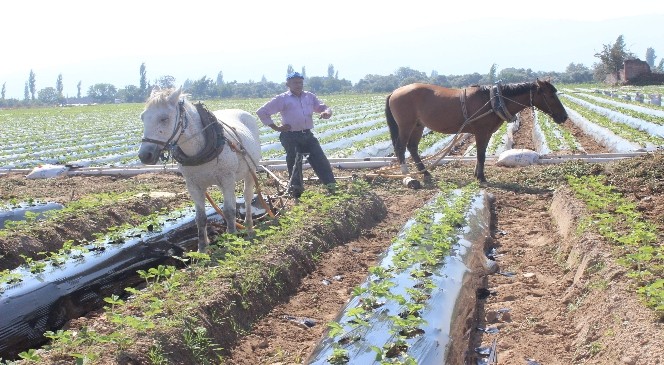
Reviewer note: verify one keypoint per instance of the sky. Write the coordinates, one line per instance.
(106, 42)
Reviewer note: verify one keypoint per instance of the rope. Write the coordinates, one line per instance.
(252, 167)
(221, 213)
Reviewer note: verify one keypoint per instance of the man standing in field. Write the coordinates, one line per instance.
(296, 107)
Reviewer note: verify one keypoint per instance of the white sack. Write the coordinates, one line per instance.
(517, 157)
(47, 171)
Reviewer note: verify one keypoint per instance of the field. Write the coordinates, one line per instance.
(578, 244)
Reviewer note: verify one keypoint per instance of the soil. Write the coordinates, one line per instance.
(567, 302)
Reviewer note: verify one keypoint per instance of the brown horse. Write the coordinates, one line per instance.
(412, 107)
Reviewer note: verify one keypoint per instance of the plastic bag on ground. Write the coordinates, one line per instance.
(517, 157)
(47, 171)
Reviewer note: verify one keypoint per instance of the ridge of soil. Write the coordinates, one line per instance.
(568, 301)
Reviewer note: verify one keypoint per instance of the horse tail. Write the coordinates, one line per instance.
(391, 124)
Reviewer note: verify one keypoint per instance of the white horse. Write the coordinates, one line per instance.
(210, 151)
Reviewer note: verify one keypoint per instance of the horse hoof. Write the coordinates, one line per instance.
(428, 179)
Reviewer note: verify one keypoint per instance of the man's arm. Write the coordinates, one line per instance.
(267, 110)
(320, 107)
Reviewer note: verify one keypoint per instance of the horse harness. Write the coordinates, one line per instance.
(498, 102)
(213, 134)
(498, 105)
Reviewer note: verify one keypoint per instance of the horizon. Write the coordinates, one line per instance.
(424, 37)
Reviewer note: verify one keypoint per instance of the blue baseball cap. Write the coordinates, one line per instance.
(293, 75)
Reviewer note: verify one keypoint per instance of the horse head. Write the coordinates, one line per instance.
(160, 123)
(546, 99)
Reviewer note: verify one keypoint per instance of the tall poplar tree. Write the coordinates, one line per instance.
(650, 57)
(143, 85)
(32, 84)
(58, 86)
(493, 72)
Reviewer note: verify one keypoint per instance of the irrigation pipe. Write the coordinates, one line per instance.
(341, 163)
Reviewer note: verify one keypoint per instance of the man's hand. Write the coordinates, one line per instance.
(281, 128)
(325, 115)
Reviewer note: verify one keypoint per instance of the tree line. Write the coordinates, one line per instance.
(611, 60)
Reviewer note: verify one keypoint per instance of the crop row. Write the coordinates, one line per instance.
(634, 131)
(109, 135)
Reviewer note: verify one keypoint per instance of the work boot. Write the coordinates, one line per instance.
(296, 191)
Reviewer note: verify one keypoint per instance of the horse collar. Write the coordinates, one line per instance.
(213, 133)
(498, 103)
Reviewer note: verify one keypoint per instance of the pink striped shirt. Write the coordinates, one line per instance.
(295, 111)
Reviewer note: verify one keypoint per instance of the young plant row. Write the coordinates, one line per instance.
(654, 116)
(497, 140)
(109, 134)
(81, 206)
(75, 250)
(415, 257)
(555, 137)
(655, 129)
(174, 298)
(640, 137)
(619, 93)
(618, 220)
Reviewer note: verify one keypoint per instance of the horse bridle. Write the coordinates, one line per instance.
(504, 107)
(546, 101)
(180, 126)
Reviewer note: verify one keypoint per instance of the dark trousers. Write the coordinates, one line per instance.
(306, 142)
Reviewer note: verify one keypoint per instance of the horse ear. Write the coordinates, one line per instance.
(175, 96)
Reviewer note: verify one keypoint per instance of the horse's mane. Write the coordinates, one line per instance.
(510, 89)
(159, 96)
